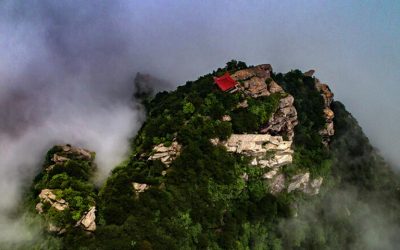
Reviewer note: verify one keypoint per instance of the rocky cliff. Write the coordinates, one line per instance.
(66, 198)
(269, 149)
(328, 131)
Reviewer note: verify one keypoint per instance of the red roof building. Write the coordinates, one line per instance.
(225, 82)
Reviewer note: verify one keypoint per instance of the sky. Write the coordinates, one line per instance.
(67, 67)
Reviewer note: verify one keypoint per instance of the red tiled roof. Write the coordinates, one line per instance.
(225, 82)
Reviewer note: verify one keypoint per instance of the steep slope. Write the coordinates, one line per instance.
(250, 176)
(253, 168)
(359, 208)
(65, 197)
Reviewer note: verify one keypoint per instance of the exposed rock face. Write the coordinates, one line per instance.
(47, 196)
(309, 73)
(299, 182)
(139, 187)
(214, 141)
(50, 201)
(325, 92)
(270, 150)
(270, 174)
(329, 115)
(256, 144)
(280, 158)
(166, 154)
(226, 118)
(314, 186)
(303, 183)
(253, 80)
(39, 207)
(284, 119)
(274, 87)
(245, 176)
(267, 150)
(328, 131)
(77, 152)
(263, 71)
(243, 104)
(256, 87)
(278, 184)
(250, 144)
(67, 152)
(58, 158)
(55, 229)
(88, 220)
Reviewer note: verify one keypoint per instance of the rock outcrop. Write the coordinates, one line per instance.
(277, 185)
(299, 182)
(139, 187)
(262, 71)
(325, 92)
(283, 120)
(272, 148)
(58, 158)
(328, 131)
(253, 81)
(166, 154)
(242, 104)
(47, 196)
(303, 183)
(256, 82)
(314, 186)
(270, 174)
(88, 220)
(271, 152)
(57, 197)
(77, 152)
(267, 151)
(67, 152)
(226, 118)
(309, 73)
(249, 144)
(258, 145)
(55, 229)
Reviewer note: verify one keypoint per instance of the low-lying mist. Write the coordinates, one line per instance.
(342, 221)
(66, 76)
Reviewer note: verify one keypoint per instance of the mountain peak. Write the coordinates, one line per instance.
(209, 165)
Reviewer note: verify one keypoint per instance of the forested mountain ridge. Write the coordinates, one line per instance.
(274, 163)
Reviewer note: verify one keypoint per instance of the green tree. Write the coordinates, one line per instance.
(188, 108)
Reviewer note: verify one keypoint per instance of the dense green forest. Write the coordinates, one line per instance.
(201, 200)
